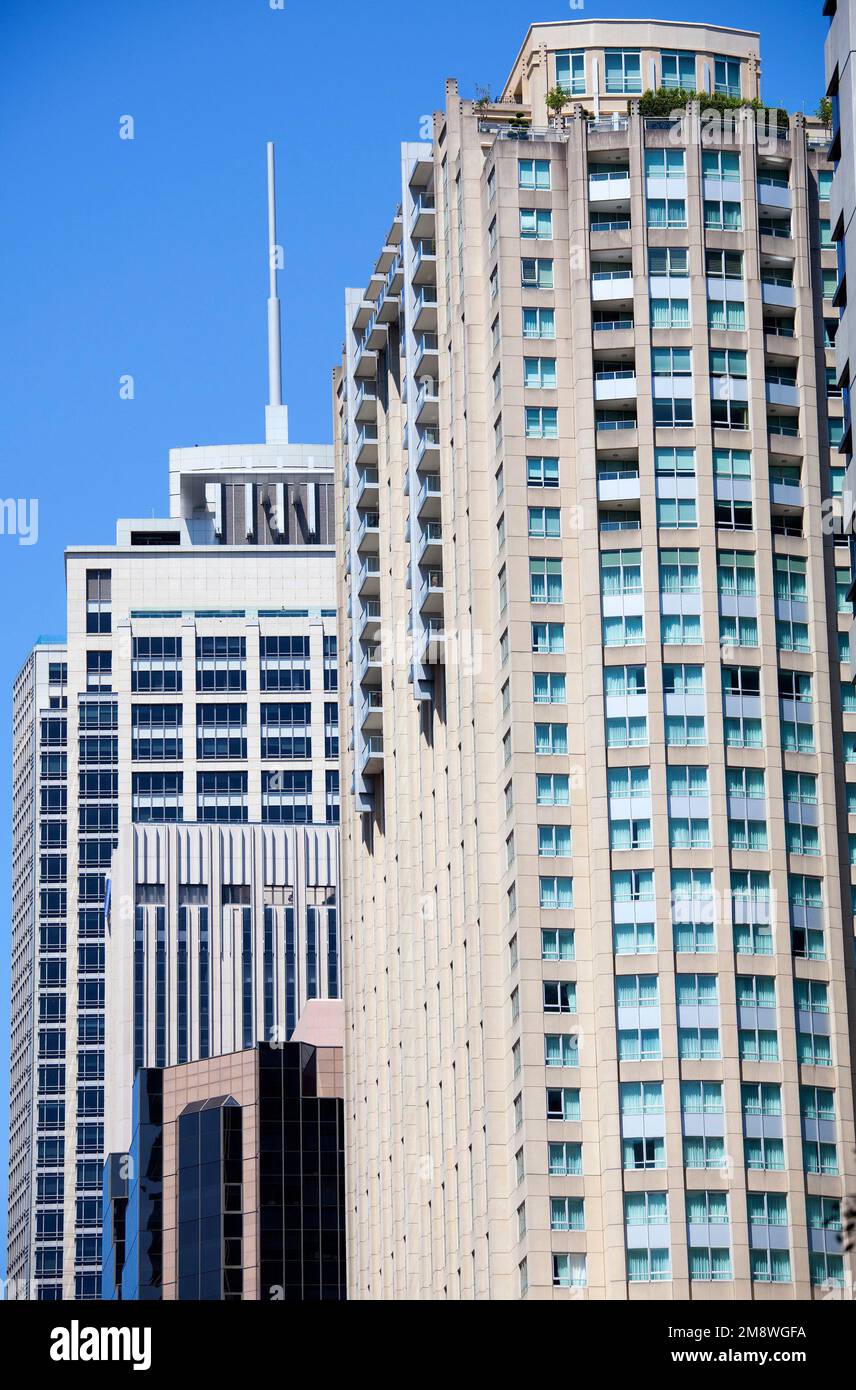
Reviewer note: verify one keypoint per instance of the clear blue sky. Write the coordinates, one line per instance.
(148, 257)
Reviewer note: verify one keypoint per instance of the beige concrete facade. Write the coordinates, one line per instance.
(841, 89)
(464, 716)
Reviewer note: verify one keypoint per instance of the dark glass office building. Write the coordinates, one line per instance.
(233, 1186)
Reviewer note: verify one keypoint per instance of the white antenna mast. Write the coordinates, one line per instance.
(274, 352)
(276, 415)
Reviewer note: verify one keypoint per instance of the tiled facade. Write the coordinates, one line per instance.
(39, 962)
(597, 919)
(841, 88)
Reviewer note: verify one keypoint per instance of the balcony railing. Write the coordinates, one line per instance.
(428, 439)
(424, 204)
(603, 125)
(620, 224)
(368, 478)
(629, 424)
(430, 486)
(616, 475)
(775, 228)
(370, 521)
(433, 580)
(365, 392)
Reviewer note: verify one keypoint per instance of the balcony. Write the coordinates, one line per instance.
(610, 189)
(615, 434)
(428, 498)
(366, 362)
(422, 168)
(431, 592)
(395, 235)
(773, 193)
(388, 307)
(366, 446)
(779, 228)
(368, 533)
(375, 335)
(785, 489)
(363, 313)
(614, 286)
(371, 664)
(371, 709)
(427, 404)
(425, 310)
(783, 438)
(616, 329)
(778, 290)
(424, 270)
(367, 488)
(389, 254)
(427, 362)
(432, 647)
(617, 385)
(609, 232)
(618, 484)
(368, 577)
(395, 277)
(431, 543)
(782, 390)
(369, 622)
(371, 761)
(428, 449)
(376, 286)
(605, 125)
(365, 402)
(780, 326)
(422, 217)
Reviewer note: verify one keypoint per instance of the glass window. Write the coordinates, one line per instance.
(623, 70)
(570, 72)
(533, 173)
(678, 69)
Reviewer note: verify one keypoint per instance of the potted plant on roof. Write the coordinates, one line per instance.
(557, 100)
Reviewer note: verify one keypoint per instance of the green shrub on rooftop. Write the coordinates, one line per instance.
(665, 100)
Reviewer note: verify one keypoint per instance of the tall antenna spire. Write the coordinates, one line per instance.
(276, 414)
(274, 341)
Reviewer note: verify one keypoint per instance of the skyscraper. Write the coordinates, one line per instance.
(597, 919)
(838, 55)
(37, 1072)
(203, 788)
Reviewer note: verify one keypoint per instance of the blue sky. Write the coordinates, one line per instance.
(148, 257)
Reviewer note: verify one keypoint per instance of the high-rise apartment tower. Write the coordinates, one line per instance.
(841, 90)
(597, 922)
